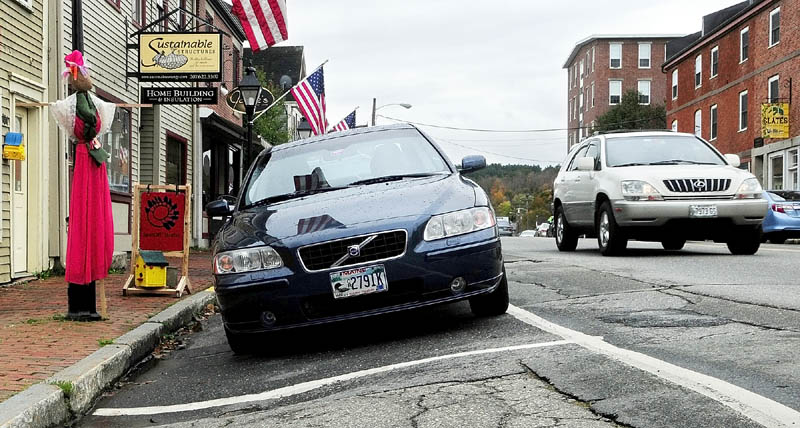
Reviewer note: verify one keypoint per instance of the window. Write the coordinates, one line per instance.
(713, 122)
(615, 53)
(714, 62)
(698, 71)
(579, 154)
(587, 63)
(614, 92)
(176, 160)
(791, 170)
(581, 69)
(698, 123)
(675, 84)
(744, 44)
(774, 89)
(774, 27)
(674, 125)
(580, 102)
(593, 59)
(592, 94)
(117, 143)
(183, 14)
(776, 172)
(160, 14)
(644, 92)
(139, 8)
(742, 110)
(235, 75)
(644, 55)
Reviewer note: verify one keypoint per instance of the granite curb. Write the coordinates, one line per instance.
(71, 392)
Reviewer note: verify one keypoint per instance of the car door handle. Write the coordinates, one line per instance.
(577, 179)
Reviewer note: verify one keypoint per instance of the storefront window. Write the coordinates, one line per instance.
(176, 168)
(776, 172)
(117, 142)
(791, 169)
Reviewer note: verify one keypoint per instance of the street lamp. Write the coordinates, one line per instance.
(375, 109)
(304, 129)
(250, 88)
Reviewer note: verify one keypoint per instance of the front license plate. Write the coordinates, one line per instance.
(359, 281)
(702, 211)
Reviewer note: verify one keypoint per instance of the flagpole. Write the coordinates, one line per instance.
(286, 93)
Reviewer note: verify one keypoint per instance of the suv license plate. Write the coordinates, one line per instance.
(702, 211)
(358, 281)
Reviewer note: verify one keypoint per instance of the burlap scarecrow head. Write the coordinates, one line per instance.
(77, 72)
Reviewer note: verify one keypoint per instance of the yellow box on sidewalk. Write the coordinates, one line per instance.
(151, 269)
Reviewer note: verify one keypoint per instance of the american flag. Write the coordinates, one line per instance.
(348, 122)
(263, 21)
(310, 97)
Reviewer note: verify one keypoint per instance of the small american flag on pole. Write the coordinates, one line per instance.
(349, 122)
(310, 97)
(263, 21)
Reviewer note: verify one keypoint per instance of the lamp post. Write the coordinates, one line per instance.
(304, 129)
(375, 109)
(250, 88)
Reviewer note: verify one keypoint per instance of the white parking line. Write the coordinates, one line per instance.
(306, 386)
(756, 407)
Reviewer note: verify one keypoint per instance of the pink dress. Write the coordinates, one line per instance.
(90, 236)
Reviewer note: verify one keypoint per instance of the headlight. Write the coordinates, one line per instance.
(459, 223)
(750, 189)
(247, 260)
(635, 190)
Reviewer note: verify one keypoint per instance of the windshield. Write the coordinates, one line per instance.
(782, 196)
(660, 150)
(340, 162)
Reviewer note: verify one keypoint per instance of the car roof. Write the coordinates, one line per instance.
(340, 134)
(645, 134)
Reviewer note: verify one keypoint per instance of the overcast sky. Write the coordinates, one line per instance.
(469, 63)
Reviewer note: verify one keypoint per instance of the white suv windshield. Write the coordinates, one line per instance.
(660, 150)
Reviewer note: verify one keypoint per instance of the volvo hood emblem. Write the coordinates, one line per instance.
(354, 251)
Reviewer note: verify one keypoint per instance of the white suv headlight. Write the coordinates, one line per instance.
(749, 189)
(247, 260)
(459, 223)
(636, 190)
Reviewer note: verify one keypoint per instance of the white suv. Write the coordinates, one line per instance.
(655, 186)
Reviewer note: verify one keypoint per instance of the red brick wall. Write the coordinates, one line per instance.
(751, 75)
(630, 74)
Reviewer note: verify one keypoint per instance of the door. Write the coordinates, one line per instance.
(19, 201)
(585, 188)
(569, 179)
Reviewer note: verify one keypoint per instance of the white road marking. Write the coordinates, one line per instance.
(756, 407)
(307, 386)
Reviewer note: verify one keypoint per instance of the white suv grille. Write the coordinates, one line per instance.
(698, 185)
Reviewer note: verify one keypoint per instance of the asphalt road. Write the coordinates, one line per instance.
(691, 338)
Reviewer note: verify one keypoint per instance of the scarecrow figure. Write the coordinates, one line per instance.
(90, 232)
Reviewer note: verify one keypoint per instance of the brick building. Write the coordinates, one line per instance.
(603, 67)
(745, 55)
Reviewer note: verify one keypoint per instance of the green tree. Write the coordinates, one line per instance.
(629, 114)
(503, 209)
(272, 125)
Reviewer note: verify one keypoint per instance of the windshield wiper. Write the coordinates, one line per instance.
(292, 195)
(632, 164)
(680, 161)
(387, 178)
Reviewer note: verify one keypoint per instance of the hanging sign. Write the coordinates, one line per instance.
(180, 57)
(235, 100)
(13, 148)
(181, 95)
(161, 224)
(775, 120)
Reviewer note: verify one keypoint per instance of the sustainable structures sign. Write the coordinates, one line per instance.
(775, 120)
(180, 57)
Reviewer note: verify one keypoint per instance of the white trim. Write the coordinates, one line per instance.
(611, 58)
(592, 59)
(774, 78)
(649, 90)
(649, 55)
(743, 93)
(674, 84)
(698, 69)
(771, 13)
(674, 126)
(610, 82)
(592, 94)
(27, 4)
(741, 51)
(712, 134)
(698, 123)
(714, 50)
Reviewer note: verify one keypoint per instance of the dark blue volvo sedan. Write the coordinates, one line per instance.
(353, 224)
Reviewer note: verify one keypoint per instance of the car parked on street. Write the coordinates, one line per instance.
(655, 186)
(352, 224)
(783, 216)
(504, 226)
(542, 229)
(528, 234)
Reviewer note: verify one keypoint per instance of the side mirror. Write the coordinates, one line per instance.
(733, 160)
(472, 163)
(585, 164)
(219, 208)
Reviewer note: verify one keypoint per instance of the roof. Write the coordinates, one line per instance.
(713, 23)
(225, 12)
(280, 61)
(593, 37)
(339, 134)
(153, 258)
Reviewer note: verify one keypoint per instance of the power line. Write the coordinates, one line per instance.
(497, 154)
(521, 131)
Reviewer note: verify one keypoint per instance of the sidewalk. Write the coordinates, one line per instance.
(35, 341)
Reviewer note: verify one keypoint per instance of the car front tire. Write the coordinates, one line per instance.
(566, 238)
(673, 244)
(610, 238)
(492, 304)
(745, 242)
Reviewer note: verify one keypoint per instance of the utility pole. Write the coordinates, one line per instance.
(374, 104)
(77, 26)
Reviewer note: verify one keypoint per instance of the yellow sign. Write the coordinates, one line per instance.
(775, 120)
(14, 152)
(184, 57)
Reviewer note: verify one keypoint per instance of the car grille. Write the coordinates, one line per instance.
(385, 245)
(697, 185)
